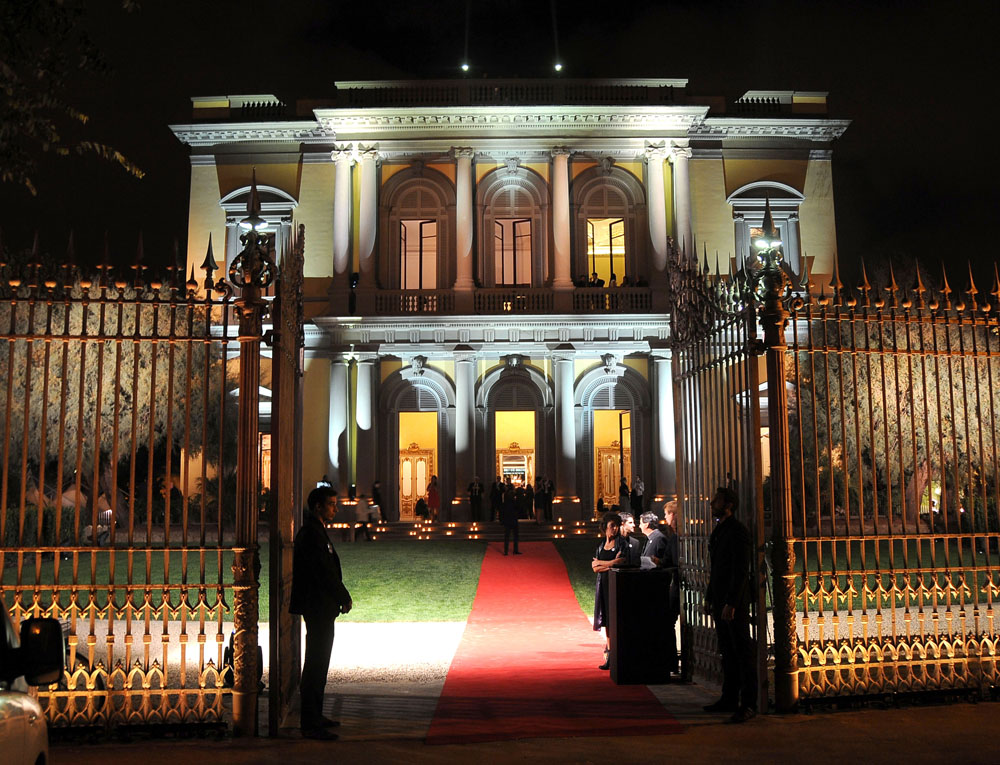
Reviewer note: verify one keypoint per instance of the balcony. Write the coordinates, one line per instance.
(501, 301)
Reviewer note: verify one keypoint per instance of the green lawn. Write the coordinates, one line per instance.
(577, 553)
(406, 581)
(390, 581)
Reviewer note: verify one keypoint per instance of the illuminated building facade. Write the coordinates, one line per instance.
(486, 263)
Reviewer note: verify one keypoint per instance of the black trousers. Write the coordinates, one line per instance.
(739, 660)
(476, 506)
(319, 644)
(507, 531)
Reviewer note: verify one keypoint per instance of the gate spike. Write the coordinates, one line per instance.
(209, 266)
(865, 287)
(996, 282)
(946, 289)
(893, 288)
(192, 283)
(835, 284)
(972, 291)
(804, 284)
(706, 269)
(718, 273)
(920, 289)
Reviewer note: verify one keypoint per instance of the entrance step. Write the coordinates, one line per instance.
(528, 530)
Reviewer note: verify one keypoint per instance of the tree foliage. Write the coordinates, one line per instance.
(42, 45)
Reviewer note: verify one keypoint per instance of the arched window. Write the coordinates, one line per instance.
(610, 225)
(513, 209)
(748, 218)
(276, 208)
(417, 219)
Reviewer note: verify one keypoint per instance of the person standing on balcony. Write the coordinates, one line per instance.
(319, 595)
(433, 498)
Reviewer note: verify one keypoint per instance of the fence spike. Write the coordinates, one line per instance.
(706, 269)
(996, 282)
(893, 288)
(718, 273)
(192, 283)
(920, 289)
(972, 291)
(946, 289)
(865, 286)
(804, 276)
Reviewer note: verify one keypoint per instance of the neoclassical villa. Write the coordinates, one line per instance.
(486, 263)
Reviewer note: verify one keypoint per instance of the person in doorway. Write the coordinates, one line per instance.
(496, 499)
(623, 501)
(550, 492)
(433, 498)
(476, 499)
(727, 599)
(508, 516)
(595, 280)
(610, 553)
(632, 546)
(319, 595)
(529, 500)
(377, 501)
(636, 497)
(539, 499)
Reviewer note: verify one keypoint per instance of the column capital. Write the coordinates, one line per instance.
(680, 151)
(464, 152)
(369, 153)
(655, 153)
(561, 151)
(661, 354)
(464, 357)
(366, 358)
(343, 153)
(564, 355)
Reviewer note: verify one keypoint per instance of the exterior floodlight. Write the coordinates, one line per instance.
(558, 67)
(253, 222)
(465, 67)
(760, 244)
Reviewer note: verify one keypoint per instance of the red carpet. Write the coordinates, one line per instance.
(527, 663)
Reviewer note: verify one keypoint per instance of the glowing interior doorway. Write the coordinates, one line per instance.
(612, 442)
(515, 446)
(418, 439)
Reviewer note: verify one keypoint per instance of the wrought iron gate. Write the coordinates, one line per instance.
(130, 481)
(717, 409)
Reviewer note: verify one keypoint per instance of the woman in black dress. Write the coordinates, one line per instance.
(609, 554)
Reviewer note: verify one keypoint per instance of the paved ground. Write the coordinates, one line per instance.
(386, 707)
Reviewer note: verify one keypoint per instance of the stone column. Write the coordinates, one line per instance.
(465, 423)
(337, 438)
(657, 211)
(680, 154)
(565, 433)
(666, 450)
(562, 278)
(342, 212)
(463, 219)
(794, 255)
(369, 215)
(364, 406)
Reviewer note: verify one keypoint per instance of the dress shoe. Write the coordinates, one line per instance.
(606, 665)
(721, 706)
(319, 734)
(326, 722)
(517, 552)
(743, 714)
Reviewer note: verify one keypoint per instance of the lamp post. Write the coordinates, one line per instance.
(251, 272)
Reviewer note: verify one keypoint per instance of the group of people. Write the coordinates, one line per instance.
(528, 501)
(656, 547)
(596, 281)
(727, 597)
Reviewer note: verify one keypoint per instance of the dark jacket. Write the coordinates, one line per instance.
(729, 581)
(317, 582)
(508, 511)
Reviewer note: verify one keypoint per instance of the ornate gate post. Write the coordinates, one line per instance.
(251, 271)
(773, 283)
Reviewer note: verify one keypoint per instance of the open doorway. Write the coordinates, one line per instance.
(612, 453)
(515, 446)
(418, 437)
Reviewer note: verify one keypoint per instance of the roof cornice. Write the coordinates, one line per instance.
(209, 134)
(742, 127)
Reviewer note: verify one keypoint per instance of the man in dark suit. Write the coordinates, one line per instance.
(662, 552)
(476, 499)
(632, 548)
(319, 594)
(508, 516)
(728, 600)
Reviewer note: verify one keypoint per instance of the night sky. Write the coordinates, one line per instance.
(913, 174)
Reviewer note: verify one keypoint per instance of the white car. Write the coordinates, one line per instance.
(34, 658)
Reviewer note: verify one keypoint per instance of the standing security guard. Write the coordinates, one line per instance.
(319, 594)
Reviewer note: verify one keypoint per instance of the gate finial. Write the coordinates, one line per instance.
(893, 288)
(972, 291)
(996, 282)
(865, 286)
(835, 283)
(946, 289)
(920, 289)
(209, 266)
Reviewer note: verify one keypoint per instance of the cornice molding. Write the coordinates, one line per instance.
(808, 129)
(491, 120)
(243, 132)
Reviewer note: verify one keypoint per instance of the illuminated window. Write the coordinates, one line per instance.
(512, 251)
(606, 248)
(418, 254)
